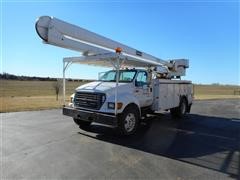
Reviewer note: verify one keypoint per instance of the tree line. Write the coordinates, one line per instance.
(7, 76)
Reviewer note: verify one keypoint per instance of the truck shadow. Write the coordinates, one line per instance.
(210, 142)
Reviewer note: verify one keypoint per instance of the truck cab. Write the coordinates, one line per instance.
(95, 101)
(134, 87)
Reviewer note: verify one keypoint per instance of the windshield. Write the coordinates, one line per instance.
(124, 76)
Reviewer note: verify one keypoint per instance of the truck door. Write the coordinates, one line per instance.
(143, 91)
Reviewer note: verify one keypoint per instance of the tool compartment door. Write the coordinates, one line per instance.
(163, 97)
(166, 95)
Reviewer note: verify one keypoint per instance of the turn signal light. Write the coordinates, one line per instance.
(111, 105)
(119, 105)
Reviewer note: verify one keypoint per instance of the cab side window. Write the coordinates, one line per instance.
(141, 79)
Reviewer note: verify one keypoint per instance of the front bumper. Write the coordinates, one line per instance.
(90, 116)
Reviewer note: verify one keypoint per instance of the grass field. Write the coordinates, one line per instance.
(36, 95)
(31, 95)
(215, 91)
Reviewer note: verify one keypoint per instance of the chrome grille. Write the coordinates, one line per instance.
(89, 100)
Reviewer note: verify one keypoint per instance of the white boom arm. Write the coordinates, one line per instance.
(59, 33)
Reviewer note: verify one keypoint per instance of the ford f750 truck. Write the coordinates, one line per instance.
(138, 84)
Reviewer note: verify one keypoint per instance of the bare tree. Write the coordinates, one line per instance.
(57, 86)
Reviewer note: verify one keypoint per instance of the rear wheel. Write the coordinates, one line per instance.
(181, 110)
(81, 123)
(128, 121)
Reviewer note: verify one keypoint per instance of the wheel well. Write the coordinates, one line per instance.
(135, 106)
(184, 97)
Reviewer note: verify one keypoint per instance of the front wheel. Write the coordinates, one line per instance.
(128, 121)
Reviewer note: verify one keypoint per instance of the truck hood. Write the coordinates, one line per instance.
(104, 87)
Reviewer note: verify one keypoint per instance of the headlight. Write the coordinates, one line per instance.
(111, 105)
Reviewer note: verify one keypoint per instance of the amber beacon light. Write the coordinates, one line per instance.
(118, 50)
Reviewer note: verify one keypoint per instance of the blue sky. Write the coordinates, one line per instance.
(207, 33)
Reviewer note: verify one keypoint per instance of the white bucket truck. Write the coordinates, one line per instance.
(139, 84)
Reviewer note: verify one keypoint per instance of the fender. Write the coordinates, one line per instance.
(125, 98)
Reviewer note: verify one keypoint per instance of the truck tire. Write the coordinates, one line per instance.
(82, 124)
(128, 121)
(181, 110)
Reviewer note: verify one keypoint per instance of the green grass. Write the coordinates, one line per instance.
(35, 95)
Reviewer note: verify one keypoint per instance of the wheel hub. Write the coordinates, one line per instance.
(129, 122)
